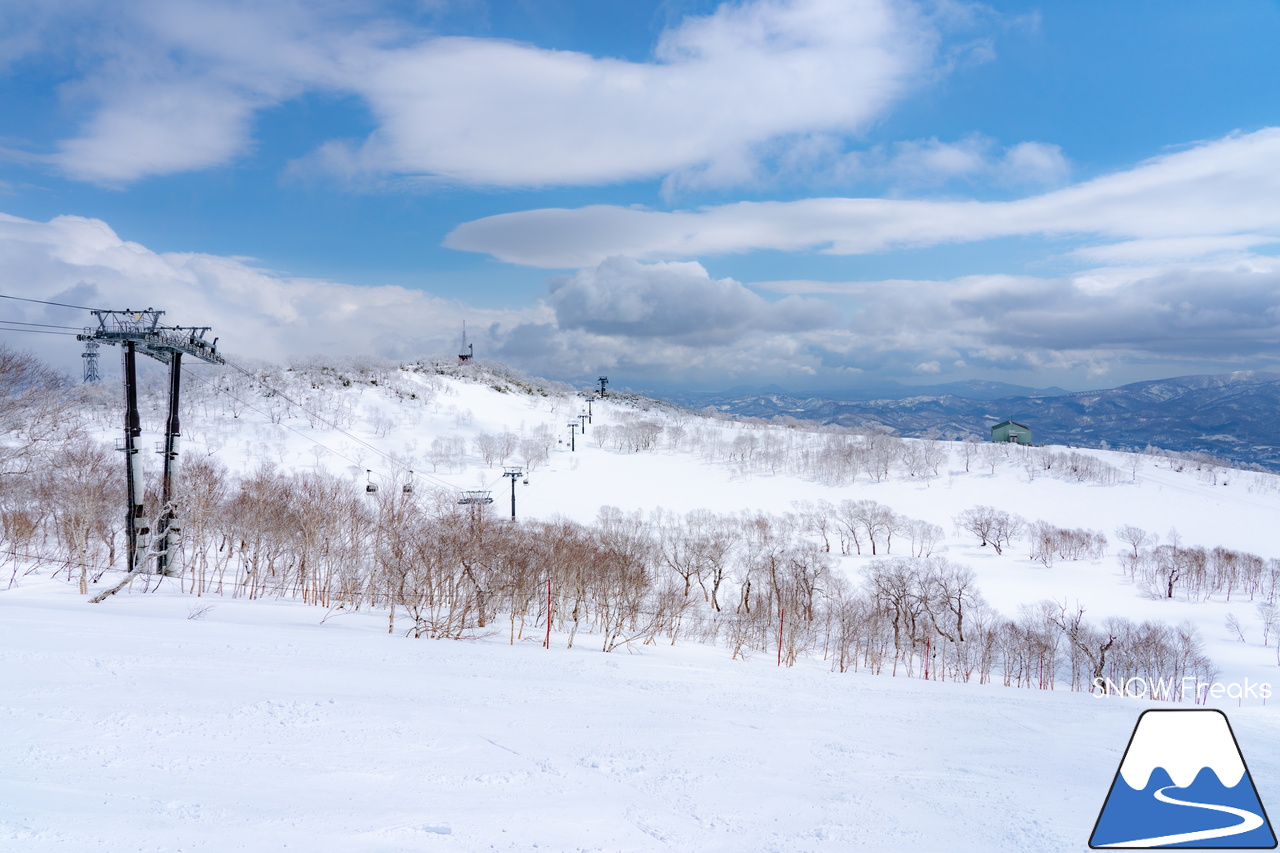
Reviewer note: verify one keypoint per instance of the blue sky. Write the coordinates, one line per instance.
(680, 194)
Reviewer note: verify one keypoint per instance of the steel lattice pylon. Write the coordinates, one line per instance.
(140, 332)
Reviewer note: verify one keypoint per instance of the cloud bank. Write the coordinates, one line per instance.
(1219, 190)
(669, 323)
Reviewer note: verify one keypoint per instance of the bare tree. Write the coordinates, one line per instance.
(849, 525)
(950, 591)
(882, 451)
(1088, 645)
(992, 455)
(818, 518)
(488, 446)
(1269, 618)
(82, 495)
(1135, 537)
(936, 453)
(992, 526)
(925, 537)
(896, 588)
(1043, 539)
(35, 406)
(506, 443)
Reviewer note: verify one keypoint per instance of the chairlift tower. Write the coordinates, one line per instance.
(514, 474)
(90, 356)
(476, 499)
(604, 383)
(140, 332)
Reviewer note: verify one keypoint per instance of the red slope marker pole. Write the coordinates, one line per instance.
(546, 644)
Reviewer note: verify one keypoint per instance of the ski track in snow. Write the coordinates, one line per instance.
(1248, 822)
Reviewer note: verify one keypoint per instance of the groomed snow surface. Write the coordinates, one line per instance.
(133, 727)
(147, 724)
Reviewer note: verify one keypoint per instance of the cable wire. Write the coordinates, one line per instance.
(46, 302)
(249, 405)
(42, 325)
(37, 331)
(390, 459)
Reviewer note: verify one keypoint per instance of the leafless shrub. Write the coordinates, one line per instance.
(197, 612)
(1049, 543)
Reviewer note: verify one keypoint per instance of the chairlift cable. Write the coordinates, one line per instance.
(309, 438)
(37, 331)
(391, 459)
(249, 405)
(42, 325)
(46, 302)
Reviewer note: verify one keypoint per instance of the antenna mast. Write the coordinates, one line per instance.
(467, 351)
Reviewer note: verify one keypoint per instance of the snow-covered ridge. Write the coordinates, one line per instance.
(1183, 743)
(670, 472)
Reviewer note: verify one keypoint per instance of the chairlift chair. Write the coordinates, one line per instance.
(370, 487)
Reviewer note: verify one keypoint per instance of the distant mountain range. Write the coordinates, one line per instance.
(1234, 416)
(972, 389)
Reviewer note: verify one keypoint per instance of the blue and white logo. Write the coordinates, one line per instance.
(1183, 783)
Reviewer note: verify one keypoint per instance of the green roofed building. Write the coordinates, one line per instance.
(1011, 431)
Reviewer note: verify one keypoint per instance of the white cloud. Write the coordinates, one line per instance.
(821, 159)
(1201, 315)
(1173, 249)
(163, 129)
(1223, 188)
(175, 85)
(654, 320)
(668, 321)
(1033, 163)
(922, 163)
(677, 301)
(255, 312)
(489, 112)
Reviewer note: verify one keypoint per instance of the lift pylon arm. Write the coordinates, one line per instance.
(150, 338)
